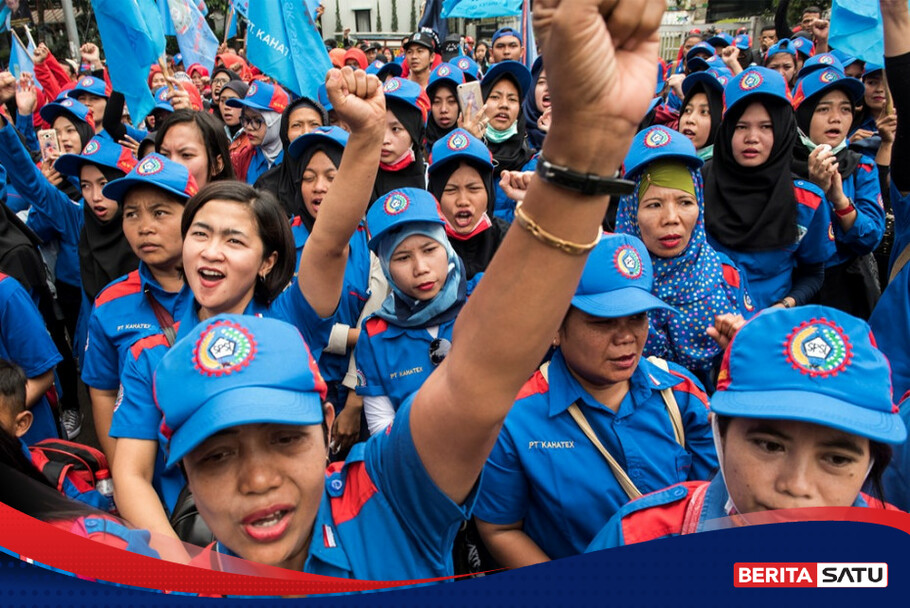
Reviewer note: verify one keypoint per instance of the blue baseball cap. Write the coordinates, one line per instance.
(784, 45)
(803, 46)
(813, 364)
(380, 69)
(234, 370)
(844, 58)
(870, 69)
(701, 47)
(444, 73)
(517, 70)
(154, 170)
(819, 82)
(503, 32)
(468, 66)
(161, 101)
(91, 85)
(617, 279)
(699, 64)
(715, 78)
(68, 107)
(459, 145)
(755, 80)
(400, 207)
(408, 92)
(659, 143)
(98, 151)
(332, 135)
(820, 62)
(720, 40)
(743, 42)
(262, 96)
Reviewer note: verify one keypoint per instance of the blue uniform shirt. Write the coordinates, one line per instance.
(259, 164)
(136, 415)
(770, 273)
(123, 315)
(862, 187)
(547, 473)
(24, 341)
(503, 206)
(382, 517)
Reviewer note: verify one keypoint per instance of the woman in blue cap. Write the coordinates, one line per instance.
(461, 179)
(666, 211)
(442, 92)
(782, 58)
(403, 341)
(252, 441)
(504, 87)
(402, 164)
(146, 301)
(535, 104)
(238, 257)
(703, 108)
(824, 101)
(806, 425)
(597, 425)
(775, 228)
(261, 119)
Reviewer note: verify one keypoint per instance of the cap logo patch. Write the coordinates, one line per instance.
(150, 166)
(67, 103)
(826, 59)
(628, 262)
(828, 76)
(396, 203)
(254, 88)
(657, 138)
(87, 82)
(391, 85)
(443, 71)
(723, 80)
(223, 348)
(90, 148)
(751, 81)
(818, 348)
(458, 141)
(463, 64)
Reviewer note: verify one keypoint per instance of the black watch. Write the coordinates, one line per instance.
(587, 184)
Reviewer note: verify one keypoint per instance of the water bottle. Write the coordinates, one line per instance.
(105, 486)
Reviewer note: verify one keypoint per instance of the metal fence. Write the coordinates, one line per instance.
(672, 35)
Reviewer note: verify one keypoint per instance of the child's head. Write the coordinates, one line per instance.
(14, 417)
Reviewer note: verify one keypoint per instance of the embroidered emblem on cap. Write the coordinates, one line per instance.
(396, 203)
(443, 70)
(90, 148)
(254, 88)
(87, 81)
(162, 94)
(657, 138)
(818, 348)
(463, 64)
(391, 86)
(458, 141)
(751, 81)
(150, 166)
(826, 59)
(223, 348)
(828, 76)
(67, 103)
(628, 262)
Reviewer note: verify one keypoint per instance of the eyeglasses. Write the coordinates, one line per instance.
(248, 122)
(439, 348)
(220, 81)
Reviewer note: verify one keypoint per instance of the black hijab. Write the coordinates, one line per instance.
(434, 132)
(753, 208)
(414, 175)
(104, 252)
(86, 133)
(283, 180)
(847, 159)
(715, 107)
(514, 153)
(531, 111)
(334, 152)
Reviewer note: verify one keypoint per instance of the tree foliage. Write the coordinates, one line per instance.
(378, 18)
(394, 15)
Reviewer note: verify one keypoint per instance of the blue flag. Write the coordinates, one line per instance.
(133, 39)
(231, 25)
(856, 29)
(194, 36)
(432, 18)
(480, 9)
(164, 10)
(19, 59)
(4, 17)
(283, 42)
(242, 7)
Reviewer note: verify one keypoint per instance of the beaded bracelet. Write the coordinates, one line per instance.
(551, 240)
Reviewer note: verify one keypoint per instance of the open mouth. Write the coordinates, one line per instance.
(210, 277)
(671, 241)
(269, 524)
(464, 219)
(624, 362)
(688, 133)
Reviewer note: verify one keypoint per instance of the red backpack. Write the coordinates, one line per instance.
(75, 470)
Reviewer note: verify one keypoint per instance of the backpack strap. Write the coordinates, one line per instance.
(165, 319)
(621, 476)
(672, 406)
(900, 262)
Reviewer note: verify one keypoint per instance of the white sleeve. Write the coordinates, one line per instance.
(379, 412)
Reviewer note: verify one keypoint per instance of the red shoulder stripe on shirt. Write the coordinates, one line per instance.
(867, 167)
(535, 386)
(3, 276)
(687, 386)
(132, 284)
(731, 275)
(358, 489)
(150, 342)
(807, 198)
(658, 521)
(376, 326)
(297, 221)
